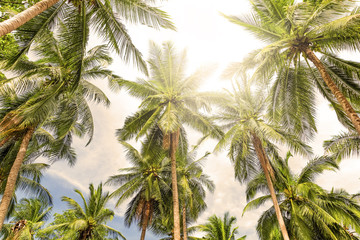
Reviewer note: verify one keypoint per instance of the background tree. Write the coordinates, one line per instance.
(86, 221)
(143, 182)
(220, 229)
(251, 137)
(27, 219)
(29, 176)
(310, 211)
(169, 100)
(192, 184)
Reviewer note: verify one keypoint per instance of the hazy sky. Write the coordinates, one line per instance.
(210, 40)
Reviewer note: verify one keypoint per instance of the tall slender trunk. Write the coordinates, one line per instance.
(355, 119)
(13, 174)
(184, 222)
(175, 195)
(264, 161)
(145, 220)
(25, 16)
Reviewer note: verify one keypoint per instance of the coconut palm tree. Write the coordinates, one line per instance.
(310, 211)
(102, 16)
(29, 177)
(296, 30)
(27, 219)
(45, 98)
(220, 229)
(169, 100)
(87, 220)
(144, 182)
(251, 137)
(192, 184)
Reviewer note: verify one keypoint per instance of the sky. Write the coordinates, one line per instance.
(210, 41)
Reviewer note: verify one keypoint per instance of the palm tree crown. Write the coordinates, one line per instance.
(295, 30)
(310, 211)
(220, 229)
(88, 220)
(144, 182)
(27, 219)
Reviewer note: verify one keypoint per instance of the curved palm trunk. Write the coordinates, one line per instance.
(146, 220)
(13, 174)
(184, 222)
(265, 166)
(175, 195)
(334, 89)
(26, 15)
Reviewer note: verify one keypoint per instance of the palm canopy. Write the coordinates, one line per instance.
(29, 176)
(88, 219)
(293, 31)
(105, 17)
(242, 113)
(144, 182)
(220, 229)
(28, 218)
(193, 183)
(310, 212)
(46, 89)
(169, 97)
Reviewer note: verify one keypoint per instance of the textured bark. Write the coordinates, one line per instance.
(355, 119)
(145, 220)
(175, 195)
(13, 174)
(26, 15)
(265, 164)
(184, 222)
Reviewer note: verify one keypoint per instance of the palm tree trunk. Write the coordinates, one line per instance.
(13, 174)
(175, 195)
(26, 15)
(146, 220)
(184, 222)
(355, 119)
(264, 164)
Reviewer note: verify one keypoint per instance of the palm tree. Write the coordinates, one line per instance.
(251, 137)
(169, 100)
(90, 218)
(145, 180)
(44, 96)
(102, 16)
(29, 216)
(220, 229)
(192, 184)
(311, 212)
(297, 30)
(29, 176)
